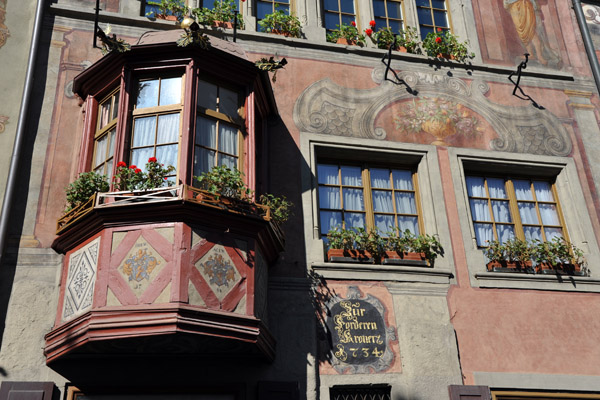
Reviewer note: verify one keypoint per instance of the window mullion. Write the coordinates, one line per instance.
(368, 199)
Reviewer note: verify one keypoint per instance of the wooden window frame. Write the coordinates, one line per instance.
(386, 18)
(100, 132)
(433, 25)
(238, 121)
(513, 205)
(368, 208)
(339, 13)
(157, 111)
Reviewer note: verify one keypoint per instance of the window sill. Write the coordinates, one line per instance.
(379, 272)
(568, 283)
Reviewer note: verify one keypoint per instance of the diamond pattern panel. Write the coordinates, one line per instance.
(219, 271)
(81, 278)
(140, 266)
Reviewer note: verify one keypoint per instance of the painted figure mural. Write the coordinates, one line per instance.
(527, 19)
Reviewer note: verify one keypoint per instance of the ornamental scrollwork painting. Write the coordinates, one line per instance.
(446, 111)
(4, 33)
(3, 121)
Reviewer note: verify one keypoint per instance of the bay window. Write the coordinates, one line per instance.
(366, 196)
(504, 208)
(104, 138)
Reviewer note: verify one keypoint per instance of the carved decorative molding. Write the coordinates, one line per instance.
(327, 108)
(4, 33)
(3, 121)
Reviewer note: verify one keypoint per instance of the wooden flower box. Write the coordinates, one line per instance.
(560, 269)
(405, 258)
(349, 256)
(509, 266)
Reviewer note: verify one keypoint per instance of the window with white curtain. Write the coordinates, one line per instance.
(217, 138)
(156, 121)
(504, 208)
(353, 196)
(104, 138)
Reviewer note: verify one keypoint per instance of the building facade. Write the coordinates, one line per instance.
(177, 293)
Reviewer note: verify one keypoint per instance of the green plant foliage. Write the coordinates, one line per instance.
(282, 23)
(176, 8)
(87, 184)
(222, 11)
(129, 178)
(349, 32)
(223, 181)
(445, 44)
(557, 251)
(281, 208)
(407, 38)
(340, 238)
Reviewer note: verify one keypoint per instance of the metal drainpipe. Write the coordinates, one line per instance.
(587, 41)
(12, 182)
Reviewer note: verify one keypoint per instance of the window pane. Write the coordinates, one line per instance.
(543, 191)
(147, 94)
(379, 8)
(263, 9)
(551, 233)
(523, 190)
(505, 232)
(549, 214)
(424, 16)
(394, 10)
(425, 30)
(331, 5)
(139, 157)
(204, 160)
(144, 131)
(440, 18)
(402, 180)
(331, 20)
(348, 19)
(170, 91)
(501, 211)
(532, 233)
(330, 219)
(105, 114)
(528, 213)
(167, 155)
(496, 188)
(328, 174)
(483, 234)
(111, 136)
(382, 201)
(405, 203)
(410, 223)
(168, 128)
(380, 178)
(228, 102)
(475, 186)
(424, 3)
(347, 6)
(228, 139)
(438, 4)
(227, 161)
(206, 132)
(329, 198)
(115, 110)
(395, 26)
(207, 95)
(101, 150)
(351, 176)
(385, 223)
(480, 210)
(353, 199)
(354, 220)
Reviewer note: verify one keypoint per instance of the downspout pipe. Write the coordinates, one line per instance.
(12, 181)
(587, 41)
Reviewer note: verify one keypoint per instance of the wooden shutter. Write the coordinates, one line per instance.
(462, 392)
(29, 391)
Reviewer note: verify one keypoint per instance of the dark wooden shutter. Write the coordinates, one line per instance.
(462, 392)
(29, 391)
(278, 391)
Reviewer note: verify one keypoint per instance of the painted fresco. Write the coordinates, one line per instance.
(4, 33)
(592, 18)
(509, 28)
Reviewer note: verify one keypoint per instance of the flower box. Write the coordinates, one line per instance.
(166, 17)
(346, 42)
(349, 256)
(560, 269)
(223, 24)
(509, 266)
(405, 258)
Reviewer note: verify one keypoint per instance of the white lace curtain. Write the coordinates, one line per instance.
(146, 138)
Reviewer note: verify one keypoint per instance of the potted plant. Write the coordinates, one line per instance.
(346, 34)
(514, 255)
(399, 249)
(225, 182)
(221, 15)
(280, 207)
(170, 10)
(429, 245)
(280, 23)
(341, 247)
(443, 44)
(558, 256)
(131, 178)
(406, 41)
(86, 185)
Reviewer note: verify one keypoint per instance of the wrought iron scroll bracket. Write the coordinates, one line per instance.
(387, 61)
(96, 27)
(518, 72)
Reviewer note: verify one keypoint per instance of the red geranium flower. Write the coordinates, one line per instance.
(438, 39)
(439, 29)
(372, 23)
(152, 159)
(353, 23)
(121, 164)
(137, 170)
(132, 167)
(369, 31)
